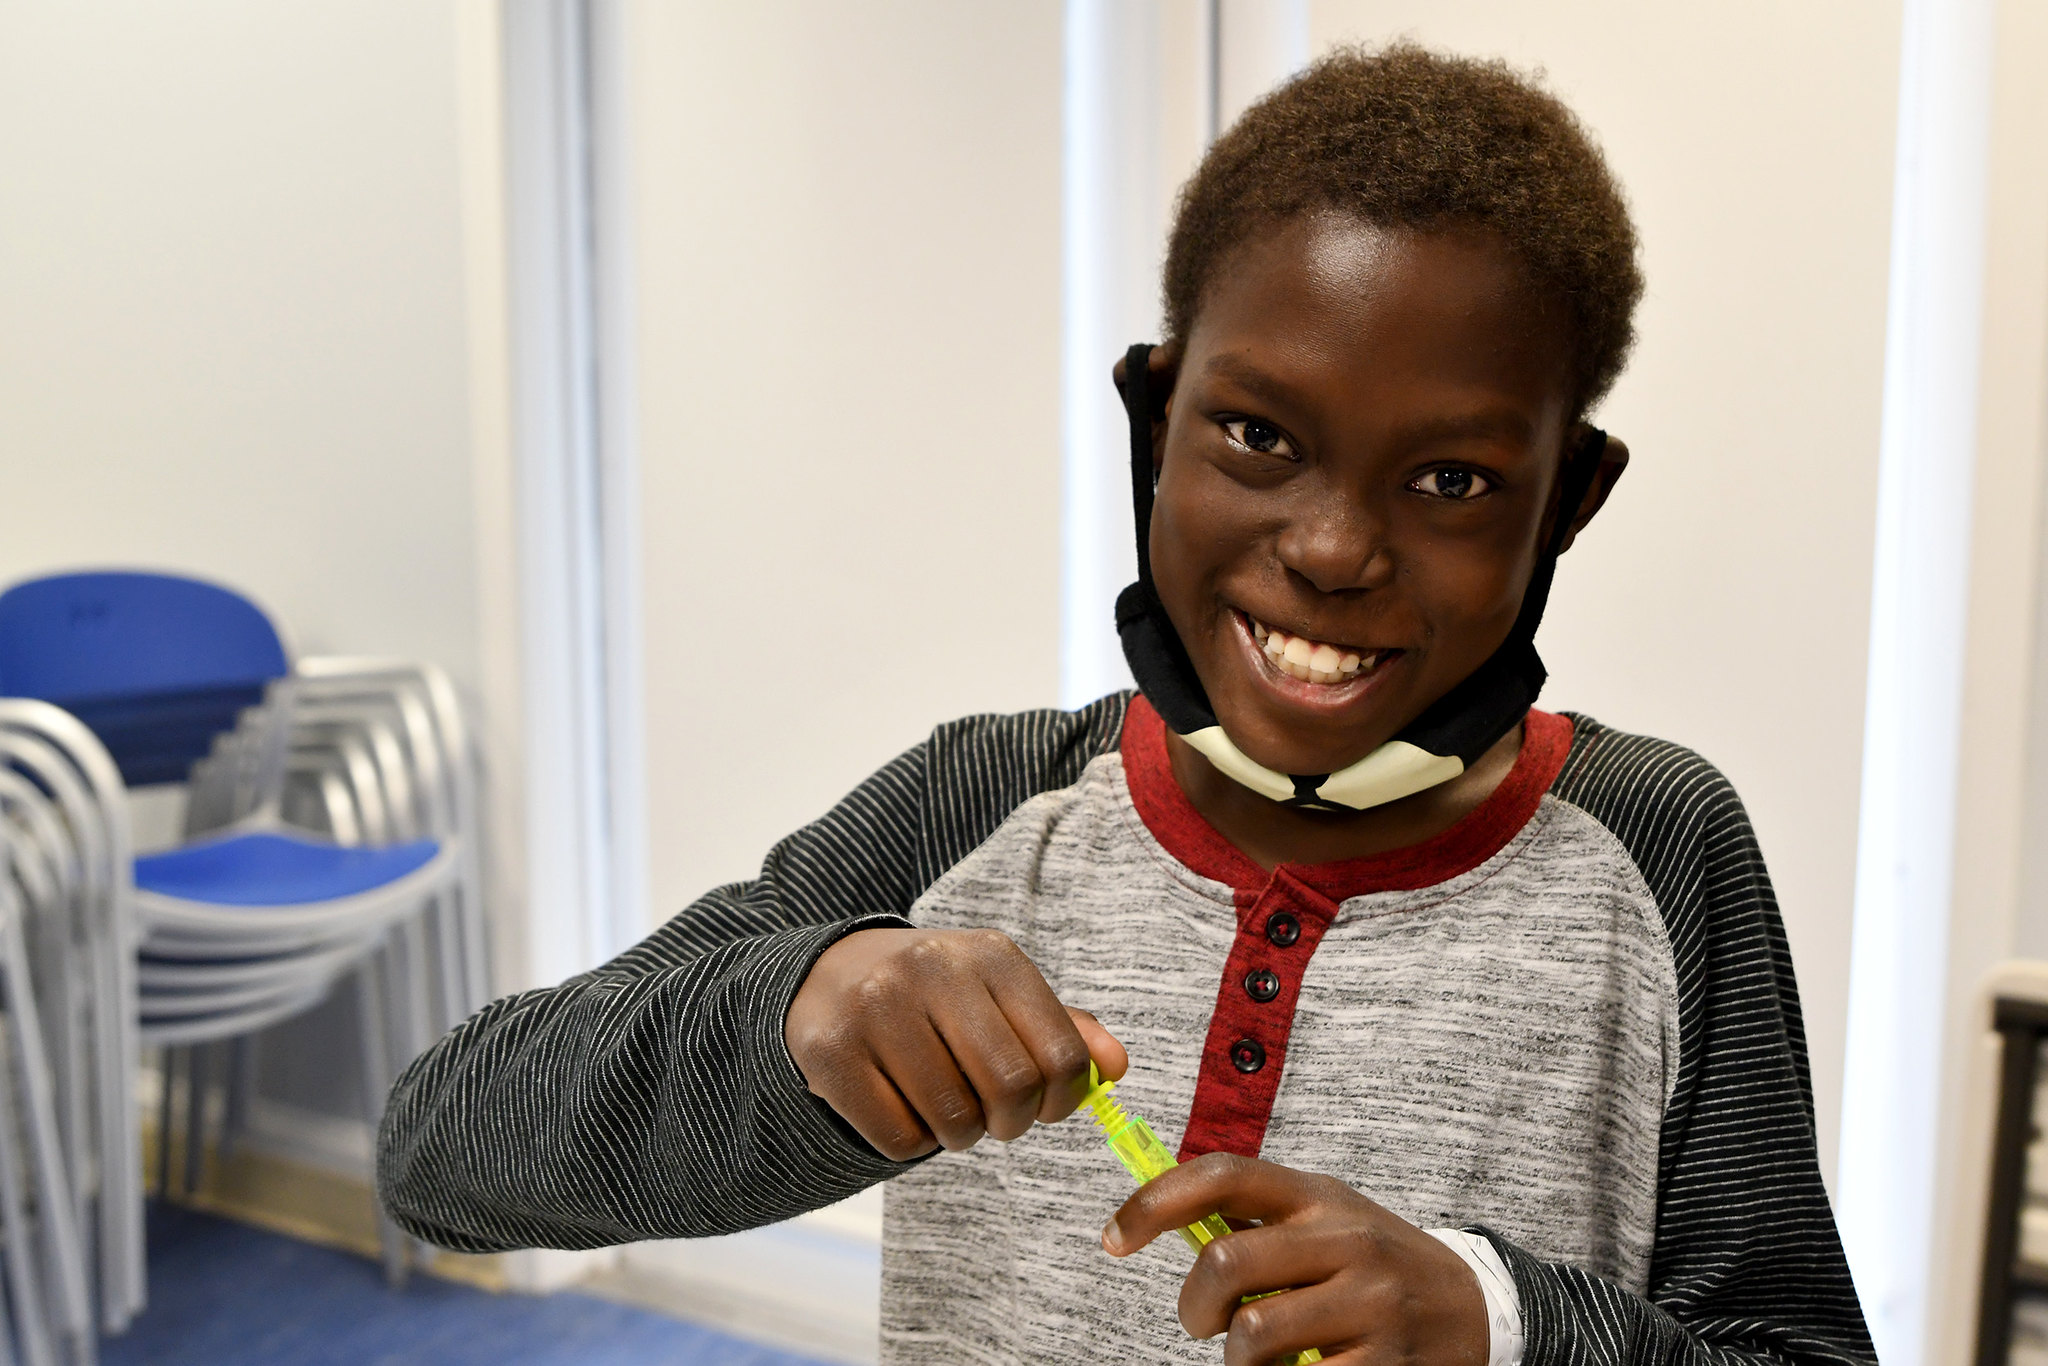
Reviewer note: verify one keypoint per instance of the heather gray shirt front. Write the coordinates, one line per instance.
(1497, 1048)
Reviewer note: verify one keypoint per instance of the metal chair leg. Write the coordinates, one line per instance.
(241, 1093)
(56, 1212)
(372, 994)
(7, 1338)
(167, 1077)
(24, 1282)
(195, 1118)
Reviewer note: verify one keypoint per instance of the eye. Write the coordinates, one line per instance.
(1257, 434)
(1454, 484)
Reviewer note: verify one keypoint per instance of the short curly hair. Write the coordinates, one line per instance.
(1403, 137)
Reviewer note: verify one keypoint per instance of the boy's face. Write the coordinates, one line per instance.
(1360, 450)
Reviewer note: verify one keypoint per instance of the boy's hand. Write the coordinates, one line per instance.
(929, 1038)
(1363, 1285)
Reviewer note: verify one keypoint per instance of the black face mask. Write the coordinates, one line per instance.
(1437, 746)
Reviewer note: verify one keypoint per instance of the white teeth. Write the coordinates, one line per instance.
(1311, 661)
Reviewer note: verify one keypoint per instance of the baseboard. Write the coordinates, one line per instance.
(791, 1286)
(309, 1138)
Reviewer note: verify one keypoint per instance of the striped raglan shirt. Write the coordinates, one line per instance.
(1609, 914)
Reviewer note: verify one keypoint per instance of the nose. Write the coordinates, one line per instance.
(1338, 544)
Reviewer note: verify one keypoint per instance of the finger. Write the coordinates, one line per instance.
(1277, 1327)
(1214, 1183)
(917, 1061)
(1006, 1079)
(1256, 1261)
(865, 1098)
(1041, 1023)
(1110, 1057)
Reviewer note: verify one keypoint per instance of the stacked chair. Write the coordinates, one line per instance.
(329, 840)
(44, 1111)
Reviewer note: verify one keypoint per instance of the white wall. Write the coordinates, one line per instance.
(848, 255)
(1723, 600)
(231, 312)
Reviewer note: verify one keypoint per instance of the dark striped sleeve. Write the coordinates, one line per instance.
(1748, 1266)
(654, 1097)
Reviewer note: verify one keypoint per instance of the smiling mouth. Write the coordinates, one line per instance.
(1314, 661)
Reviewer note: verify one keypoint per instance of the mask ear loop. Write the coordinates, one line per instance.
(1158, 659)
(1138, 408)
(1581, 466)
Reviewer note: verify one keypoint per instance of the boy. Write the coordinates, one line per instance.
(1481, 1017)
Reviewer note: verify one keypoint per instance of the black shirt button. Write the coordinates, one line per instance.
(1247, 1055)
(1283, 928)
(1261, 984)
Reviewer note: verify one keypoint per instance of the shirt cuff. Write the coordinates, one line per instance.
(1503, 1302)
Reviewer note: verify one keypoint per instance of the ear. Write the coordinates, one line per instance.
(1613, 462)
(1164, 369)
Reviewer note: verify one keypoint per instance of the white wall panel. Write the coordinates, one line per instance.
(231, 312)
(848, 255)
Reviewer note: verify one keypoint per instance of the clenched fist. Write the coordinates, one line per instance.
(931, 1038)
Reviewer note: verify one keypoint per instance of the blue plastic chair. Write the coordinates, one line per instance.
(156, 665)
(252, 924)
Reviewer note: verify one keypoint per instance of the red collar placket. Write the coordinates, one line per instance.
(1282, 915)
(1278, 928)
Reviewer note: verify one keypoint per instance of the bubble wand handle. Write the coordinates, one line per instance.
(1145, 1157)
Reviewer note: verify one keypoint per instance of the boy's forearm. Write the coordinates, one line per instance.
(655, 1097)
(615, 1108)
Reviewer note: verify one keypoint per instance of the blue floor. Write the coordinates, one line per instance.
(224, 1294)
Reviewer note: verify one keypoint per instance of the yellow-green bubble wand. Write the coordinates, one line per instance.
(1145, 1157)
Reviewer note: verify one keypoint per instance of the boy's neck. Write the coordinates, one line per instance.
(1271, 834)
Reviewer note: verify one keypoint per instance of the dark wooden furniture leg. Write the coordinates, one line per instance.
(2021, 1024)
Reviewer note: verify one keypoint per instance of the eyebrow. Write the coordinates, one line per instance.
(1479, 425)
(1242, 372)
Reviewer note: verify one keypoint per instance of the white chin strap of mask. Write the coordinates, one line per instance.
(1395, 770)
